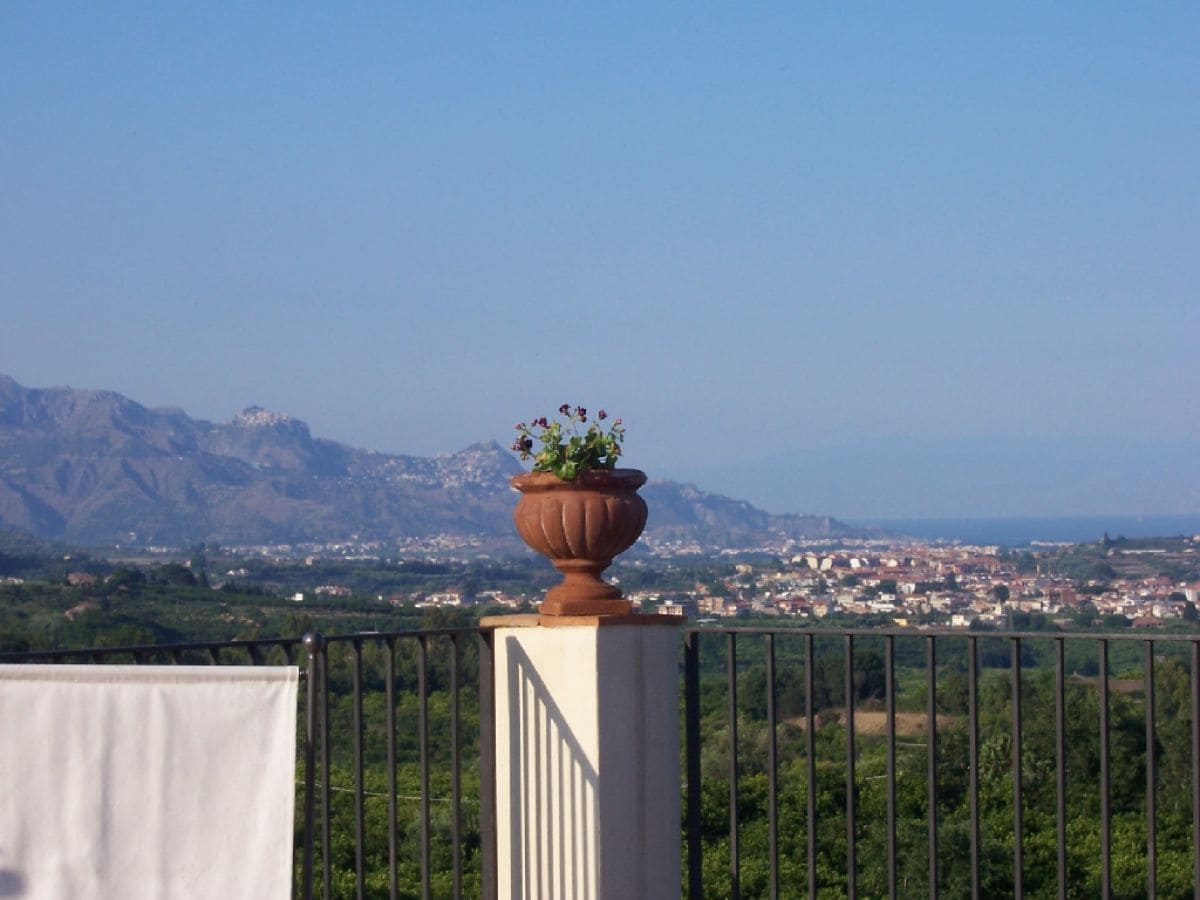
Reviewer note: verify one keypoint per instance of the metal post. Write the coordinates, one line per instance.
(889, 676)
(931, 765)
(734, 854)
(487, 766)
(691, 716)
(1018, 817)
(360, 877)
(973, 715)
(314, 643)
(851, 784)
(772, 772)
(810, 751)
(1060, 766)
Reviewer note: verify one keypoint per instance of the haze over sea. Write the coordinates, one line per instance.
(1016, 531)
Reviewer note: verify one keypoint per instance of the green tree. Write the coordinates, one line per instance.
(175, 574)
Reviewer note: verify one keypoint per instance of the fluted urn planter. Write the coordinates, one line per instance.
(580, 525)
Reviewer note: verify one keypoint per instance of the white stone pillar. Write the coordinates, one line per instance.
(587, 757)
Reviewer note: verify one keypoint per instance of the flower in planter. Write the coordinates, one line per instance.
(567, 449)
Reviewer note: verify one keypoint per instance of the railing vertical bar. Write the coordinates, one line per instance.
(487, 767)
(1060, 766)
(326, 793)
(931, 764)
(889, 692)
(1196, 769)
(851, 824)
(390, 701)
(455, 765)
(360, 874)
(1151, 780)
(772, 772)
(313, 643)
(1018, 817)
(973, 715)
(423, 741)
(734, 850)
(810, 754)
(691, 699)
(1105, 811)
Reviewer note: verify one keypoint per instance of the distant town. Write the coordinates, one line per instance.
(153, 594)
(1142, 582)
(955, 586)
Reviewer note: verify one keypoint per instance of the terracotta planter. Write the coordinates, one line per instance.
(581, 525)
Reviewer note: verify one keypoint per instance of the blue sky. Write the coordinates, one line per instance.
(757, 232)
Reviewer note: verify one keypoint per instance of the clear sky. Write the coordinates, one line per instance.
(755, 231)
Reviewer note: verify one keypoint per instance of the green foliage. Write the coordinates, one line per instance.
(175, 574)
(566, 451)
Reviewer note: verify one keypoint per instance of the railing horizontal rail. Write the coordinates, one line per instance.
(943, 632)
(249, 644)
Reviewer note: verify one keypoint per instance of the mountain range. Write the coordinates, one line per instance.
(95, 467)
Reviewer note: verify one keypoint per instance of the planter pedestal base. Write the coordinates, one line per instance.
(582, 592)
(596, 607)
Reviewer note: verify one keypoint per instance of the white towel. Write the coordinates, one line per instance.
(130, 782)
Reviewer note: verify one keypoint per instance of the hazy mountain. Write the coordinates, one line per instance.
(93, 466)
(683, 511)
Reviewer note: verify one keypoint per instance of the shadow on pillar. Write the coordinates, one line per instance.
(553, 814)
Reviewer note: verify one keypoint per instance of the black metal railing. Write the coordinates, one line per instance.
(892, 762)
(1029, 769)
(340, 737)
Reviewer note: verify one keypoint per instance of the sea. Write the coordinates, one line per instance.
(1016, 531)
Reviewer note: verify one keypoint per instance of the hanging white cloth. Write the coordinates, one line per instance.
(130, 782)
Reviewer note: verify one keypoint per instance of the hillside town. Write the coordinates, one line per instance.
(916, 584)
(1141, 583)
(938, 585)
